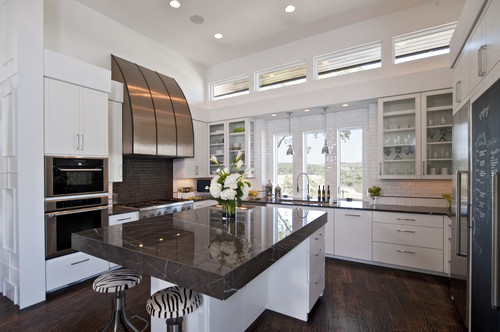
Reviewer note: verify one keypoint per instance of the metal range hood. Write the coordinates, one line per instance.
(156, 116)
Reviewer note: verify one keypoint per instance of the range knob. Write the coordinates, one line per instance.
(159, 213)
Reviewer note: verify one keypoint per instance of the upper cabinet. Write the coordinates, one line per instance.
(479, 55)
(228, 138)
(416, 136)
(76, 120)
(196, 167)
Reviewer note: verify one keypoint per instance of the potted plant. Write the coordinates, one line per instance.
(374, 192)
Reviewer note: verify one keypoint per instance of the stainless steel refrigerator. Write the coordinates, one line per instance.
(460, 208)
(485, 168)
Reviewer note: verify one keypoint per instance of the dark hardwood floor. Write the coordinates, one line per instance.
(357, 297)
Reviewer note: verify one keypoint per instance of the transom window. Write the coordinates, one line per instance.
(281, 76)
(423, 44)
(230, 88)
(350, 60)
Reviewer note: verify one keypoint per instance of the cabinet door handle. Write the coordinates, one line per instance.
(81, 141)
(352, 215)
(319, 236)
(196, 170)
(319, 279)
(77, 141)
(380, 168)
(122, 219)
(423, 167)
(79, 262)
(480, 53)
(458, 90)
(405, 231)
(405, 219)
(406, 251)
(318, 253)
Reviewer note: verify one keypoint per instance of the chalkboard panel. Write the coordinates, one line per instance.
(485, 155)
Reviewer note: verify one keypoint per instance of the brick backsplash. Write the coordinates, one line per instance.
(144, 179)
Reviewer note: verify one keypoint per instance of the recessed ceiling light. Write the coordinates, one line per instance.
(218, 36)
(175, 4)
(306, 110)
(290, 8)
(274, 114)
(345, 105)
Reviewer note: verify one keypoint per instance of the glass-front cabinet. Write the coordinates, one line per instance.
(399, 121)
(437, 123)
(415, 133)
(227, 139)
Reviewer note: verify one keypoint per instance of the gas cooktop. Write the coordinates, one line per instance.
(160, 207)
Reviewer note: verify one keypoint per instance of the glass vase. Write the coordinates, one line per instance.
(228, 210)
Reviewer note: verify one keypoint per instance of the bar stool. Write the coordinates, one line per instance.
(173, 303)
(117, 282)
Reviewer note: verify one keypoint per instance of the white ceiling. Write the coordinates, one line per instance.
(248, 26)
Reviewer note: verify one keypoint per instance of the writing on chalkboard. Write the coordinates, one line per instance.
(484, 112)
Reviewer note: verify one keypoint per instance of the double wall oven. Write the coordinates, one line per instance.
(76, 199)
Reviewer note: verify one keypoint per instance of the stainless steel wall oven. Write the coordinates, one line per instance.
(72, 214)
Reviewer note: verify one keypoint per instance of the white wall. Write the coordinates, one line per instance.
(75, 30)
(391, 79)
(22, 245)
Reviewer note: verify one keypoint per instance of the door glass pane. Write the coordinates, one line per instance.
(314, 163)
(283, 167)
(350, 163)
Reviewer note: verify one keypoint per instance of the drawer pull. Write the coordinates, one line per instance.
(122, 219)
(352, 215)
(405, 251)
(319, 236)
(405, 219)
(319, 279)
(82, 261)
(405, 231)
(318, 253)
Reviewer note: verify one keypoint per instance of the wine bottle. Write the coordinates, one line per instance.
(323, 193)
(328, 194)
(319, 193)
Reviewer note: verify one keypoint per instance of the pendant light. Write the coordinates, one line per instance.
(325, 149)
(289, 151)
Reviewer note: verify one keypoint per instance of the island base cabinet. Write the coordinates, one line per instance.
(68, 269)
(416, 257)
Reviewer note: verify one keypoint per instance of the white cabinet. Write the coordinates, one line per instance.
(437, 123)
(115, 158)
(353, 233)
(122, 218)
(416, 134)
(64, 270)
(198, 165)
(409, 240)
(76, 120)
(228, 138)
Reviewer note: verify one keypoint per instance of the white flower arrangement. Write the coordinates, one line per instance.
(229, 188)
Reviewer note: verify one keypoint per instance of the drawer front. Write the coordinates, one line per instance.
(408, 219)
(317, 240)
(316, 286)
(67, 269)
(316, 260)
(427, 237)
(117, 219)
(421, 258)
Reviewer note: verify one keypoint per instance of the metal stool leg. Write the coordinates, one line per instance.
(174, 324)
(118, 315)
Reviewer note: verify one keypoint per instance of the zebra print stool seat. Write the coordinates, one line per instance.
(173, 303)
(117, 282)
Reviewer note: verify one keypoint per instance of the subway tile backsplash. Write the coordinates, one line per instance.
(145, 179)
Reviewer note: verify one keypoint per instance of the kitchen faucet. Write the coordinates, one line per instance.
(308, 182)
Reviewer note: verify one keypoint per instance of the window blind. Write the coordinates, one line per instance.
(283, 75)
(230, 88)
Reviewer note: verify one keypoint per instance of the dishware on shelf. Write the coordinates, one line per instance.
(444, 171)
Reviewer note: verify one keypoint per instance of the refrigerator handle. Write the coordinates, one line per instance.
(458, 204)
(495, 266)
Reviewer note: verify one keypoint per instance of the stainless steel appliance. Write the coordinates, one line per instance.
(67, 215)
(460, 208)
(485, 217)
(160, 207)
(73, 176)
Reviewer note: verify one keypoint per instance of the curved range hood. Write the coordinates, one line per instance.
(156, 116)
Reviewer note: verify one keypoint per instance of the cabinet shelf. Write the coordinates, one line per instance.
(439, 143)
(399, 145)
(217, 144)
(447, 125)
(440, 108)
(217, 133)
(397, 113)
(398, 130)
(439, 159)
(398, 160)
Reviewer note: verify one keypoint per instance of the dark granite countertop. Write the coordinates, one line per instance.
(196, 250)
(120, 209)
(360, 205)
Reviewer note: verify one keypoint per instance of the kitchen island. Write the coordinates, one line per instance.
(269, 258)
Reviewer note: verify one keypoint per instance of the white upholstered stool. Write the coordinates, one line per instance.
(117, 282)
(173, 303)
